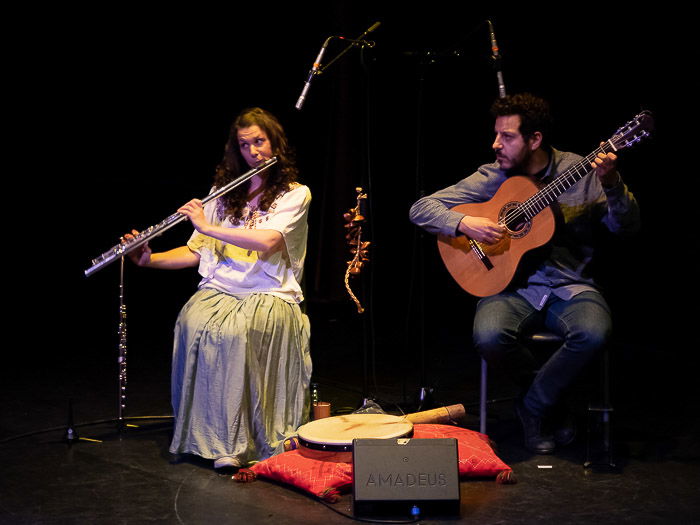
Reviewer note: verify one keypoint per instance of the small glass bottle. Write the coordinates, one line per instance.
(314, 394)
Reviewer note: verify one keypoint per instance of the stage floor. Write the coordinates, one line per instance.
(127, 477)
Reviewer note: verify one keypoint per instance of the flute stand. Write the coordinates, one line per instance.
(71, 433)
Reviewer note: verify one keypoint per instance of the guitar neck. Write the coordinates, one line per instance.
(551, 192)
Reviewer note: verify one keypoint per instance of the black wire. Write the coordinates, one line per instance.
(63, 427)
(367, 520)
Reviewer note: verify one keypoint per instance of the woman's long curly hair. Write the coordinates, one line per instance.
(279, 176)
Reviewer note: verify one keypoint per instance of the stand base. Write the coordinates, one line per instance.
(599, 453)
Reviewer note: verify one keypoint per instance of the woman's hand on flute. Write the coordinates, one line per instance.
(140, 256)
(194, 211)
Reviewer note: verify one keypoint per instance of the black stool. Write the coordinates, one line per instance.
(599, 415)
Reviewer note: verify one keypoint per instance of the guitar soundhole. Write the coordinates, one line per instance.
(514, 220)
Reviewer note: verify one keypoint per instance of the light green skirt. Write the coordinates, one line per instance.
(240, 377)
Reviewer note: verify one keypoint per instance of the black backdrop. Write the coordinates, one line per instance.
(122, 113)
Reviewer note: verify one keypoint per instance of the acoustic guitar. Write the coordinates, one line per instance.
(524, 208)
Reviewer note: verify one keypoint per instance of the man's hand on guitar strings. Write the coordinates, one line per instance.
(481, 229)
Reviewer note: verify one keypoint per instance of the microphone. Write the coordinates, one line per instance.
(494, 45)
(496, 60)
(314, 70)
(372, 28)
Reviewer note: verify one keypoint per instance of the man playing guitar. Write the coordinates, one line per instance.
(557, 293)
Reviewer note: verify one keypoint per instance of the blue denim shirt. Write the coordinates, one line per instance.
(584, 206)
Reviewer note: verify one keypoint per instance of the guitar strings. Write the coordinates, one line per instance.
(547, 195)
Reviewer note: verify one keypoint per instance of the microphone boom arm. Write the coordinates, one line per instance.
(354, 42)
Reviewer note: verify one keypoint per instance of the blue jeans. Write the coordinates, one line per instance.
(583, 321)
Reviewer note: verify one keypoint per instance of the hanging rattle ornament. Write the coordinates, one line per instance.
(358, 248)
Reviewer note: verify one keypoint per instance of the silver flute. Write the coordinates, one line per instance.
(146, 235)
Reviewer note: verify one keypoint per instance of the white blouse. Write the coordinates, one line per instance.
(237, 271)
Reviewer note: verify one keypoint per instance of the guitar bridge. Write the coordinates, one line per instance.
(481, 255)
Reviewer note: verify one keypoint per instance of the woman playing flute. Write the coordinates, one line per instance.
(241, 362)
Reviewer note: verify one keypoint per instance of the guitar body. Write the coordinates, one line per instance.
(491, 272)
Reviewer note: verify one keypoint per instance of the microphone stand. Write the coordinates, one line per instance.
(417, 294)
(318, 69)
(369, 338)
(426, 58)
(425, 393)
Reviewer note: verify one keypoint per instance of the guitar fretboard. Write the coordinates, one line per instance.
(551, 192)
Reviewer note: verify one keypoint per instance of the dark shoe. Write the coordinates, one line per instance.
(535, 441)
(176, 459)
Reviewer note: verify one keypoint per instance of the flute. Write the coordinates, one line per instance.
(143, 237)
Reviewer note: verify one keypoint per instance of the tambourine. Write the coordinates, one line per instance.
(335, 434)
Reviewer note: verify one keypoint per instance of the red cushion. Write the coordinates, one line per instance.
(476, 457)
(323, 474)
(328, 474)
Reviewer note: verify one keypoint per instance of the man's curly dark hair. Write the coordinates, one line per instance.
(533, 111)
(280, 176)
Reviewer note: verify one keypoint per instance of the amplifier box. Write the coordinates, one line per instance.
(405, 477)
